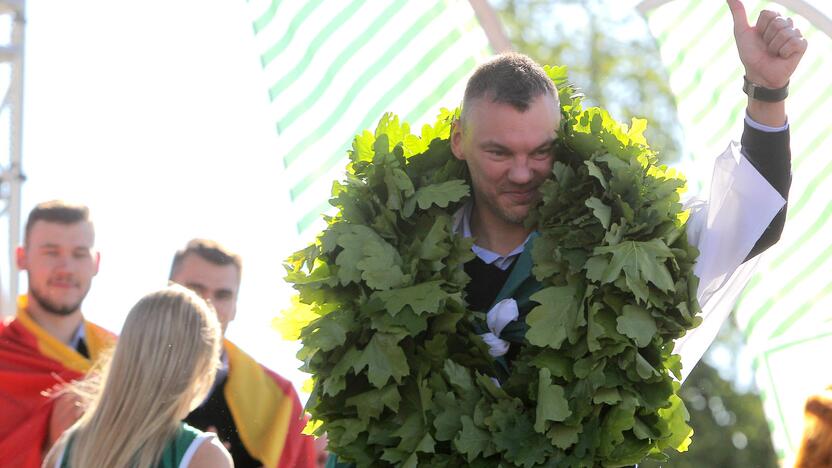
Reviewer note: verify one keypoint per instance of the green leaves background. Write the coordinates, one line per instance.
(400, 376)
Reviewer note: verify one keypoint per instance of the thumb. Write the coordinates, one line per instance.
(739, 15)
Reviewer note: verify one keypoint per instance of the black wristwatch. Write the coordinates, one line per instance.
(762, 93)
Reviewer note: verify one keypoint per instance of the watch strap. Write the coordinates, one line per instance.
(762, 93)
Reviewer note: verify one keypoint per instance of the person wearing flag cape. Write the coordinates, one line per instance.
(48, 342)
(254, 411)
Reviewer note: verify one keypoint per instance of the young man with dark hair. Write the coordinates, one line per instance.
(48, 342)
(254, 411)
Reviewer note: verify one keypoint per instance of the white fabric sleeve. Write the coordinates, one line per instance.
(741, 206)
(195, 444)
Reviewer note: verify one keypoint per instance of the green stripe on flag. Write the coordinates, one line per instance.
(384, 59)
(699, 73)
(284, 41)
(816, 263)
(433, 98)
(404, 82)
(708, 108)
(314, 46)
(683, 17)
(805, 198)
(780, 413)
(755, 363)
(801, 311)
(267, 16)
(812, 146)
(312, 215)
(730, 122)
(358, 85)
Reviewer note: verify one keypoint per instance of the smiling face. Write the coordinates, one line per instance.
(60, 263)
(509, 154)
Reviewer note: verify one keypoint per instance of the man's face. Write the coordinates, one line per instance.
(508, 152)
(217, 284)
(60, 262)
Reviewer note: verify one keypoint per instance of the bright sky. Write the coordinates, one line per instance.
(154, 113)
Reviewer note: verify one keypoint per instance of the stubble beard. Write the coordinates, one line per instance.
(509, 216)
(51, 307)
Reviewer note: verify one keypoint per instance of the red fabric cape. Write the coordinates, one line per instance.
(24, 374)
(252, 392)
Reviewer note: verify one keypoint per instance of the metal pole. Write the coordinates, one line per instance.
(12, 176)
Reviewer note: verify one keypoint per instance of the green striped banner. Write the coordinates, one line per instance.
(788, 304)
(333, 68)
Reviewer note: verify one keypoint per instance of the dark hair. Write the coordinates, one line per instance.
(210, 251)
(56, 211)
(509, 78)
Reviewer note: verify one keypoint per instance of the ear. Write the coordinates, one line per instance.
(20, 258)
(97, 262)
(456, 139)
(233, 311)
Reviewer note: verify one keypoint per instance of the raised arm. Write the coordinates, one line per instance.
(770, 52)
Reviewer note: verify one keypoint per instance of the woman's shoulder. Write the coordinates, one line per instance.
(210, 453)
(193, 448)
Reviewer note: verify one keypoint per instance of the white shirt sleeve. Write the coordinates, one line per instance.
(741, 206)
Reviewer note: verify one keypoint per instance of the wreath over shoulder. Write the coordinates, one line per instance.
(400, 375)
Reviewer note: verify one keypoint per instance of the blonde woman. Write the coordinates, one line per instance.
(162, 367)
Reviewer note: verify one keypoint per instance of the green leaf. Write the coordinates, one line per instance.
(640, 262)
(362, 147)
(379, 267)
(551, 402)
(383, 359)
(441, 194)
(563, 436)
(556, 317)
(472, 440)
(608, 396)
(448, 420)
(595, 171)
(371, 404)
(424, 297)
(435, 245)
(334, 382)
(426, 445)
(618, 419)
(677, 418)
(601, 211)
(644, 368)
(637, 324)
(410, 433)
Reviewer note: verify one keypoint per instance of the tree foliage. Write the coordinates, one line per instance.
(610, 54)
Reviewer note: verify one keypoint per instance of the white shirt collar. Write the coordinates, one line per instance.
(78, 336)
(462, 224)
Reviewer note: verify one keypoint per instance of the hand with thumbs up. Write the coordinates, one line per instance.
(770, 51)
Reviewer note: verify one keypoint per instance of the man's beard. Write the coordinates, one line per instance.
(53, 308)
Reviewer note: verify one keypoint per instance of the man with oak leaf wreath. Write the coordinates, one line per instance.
(505, 135)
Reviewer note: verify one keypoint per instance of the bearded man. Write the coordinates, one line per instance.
(48, 342)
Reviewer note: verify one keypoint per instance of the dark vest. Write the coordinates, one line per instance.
(214, 412)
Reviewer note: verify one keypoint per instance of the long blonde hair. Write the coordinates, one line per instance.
(163, 366)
